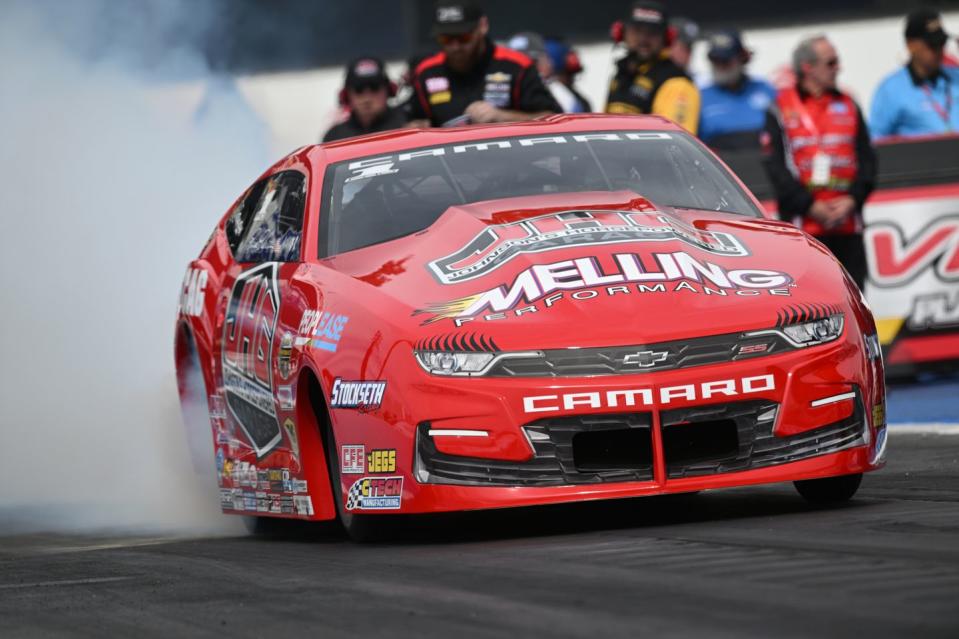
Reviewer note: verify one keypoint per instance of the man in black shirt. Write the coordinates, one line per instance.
(365, 92)
(472, 80)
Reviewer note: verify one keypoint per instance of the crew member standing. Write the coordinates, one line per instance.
(921, 98)
(365, 93)
(647, 80)
(818, 155)
(473, 80)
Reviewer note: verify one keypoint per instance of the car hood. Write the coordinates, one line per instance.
(592, 269)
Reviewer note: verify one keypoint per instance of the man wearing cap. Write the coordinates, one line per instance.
(818, 156)
(734, 105)
(922, 98)
(365, 94)
(566, 66)
(647, 80)
(472, 80)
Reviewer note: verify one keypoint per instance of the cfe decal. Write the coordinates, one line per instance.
(542, 285)
(895, 260)
(500, 243)
(351, 460)
(375, 493)
(248, 332)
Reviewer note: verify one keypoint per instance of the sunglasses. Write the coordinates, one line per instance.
(366, 87)
(461, 38)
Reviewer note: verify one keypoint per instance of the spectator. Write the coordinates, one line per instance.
(734, 105)
(472, 79)
(818, 156)
(365, 93)
(686, 33)
(533, 45)
(922, 98)
(646, 80)
(566, 66)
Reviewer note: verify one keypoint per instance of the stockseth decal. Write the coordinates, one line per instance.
(584, 279)
(359, 395)
(626, 398)
(351, 460)
(375, 493)
(381, 461)
(498, 244)
(248, 332)
(894, 260)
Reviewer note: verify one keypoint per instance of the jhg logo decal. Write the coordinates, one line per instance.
(500, 243)
(248, 331)
(894, 259)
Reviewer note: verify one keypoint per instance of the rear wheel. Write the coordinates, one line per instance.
(829, 490)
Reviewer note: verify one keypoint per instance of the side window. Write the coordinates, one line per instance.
(239, 218)
(275, 224)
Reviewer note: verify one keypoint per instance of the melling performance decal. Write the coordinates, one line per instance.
(375, 493)
(248, 331)
(499, 244)
(359, 395)
(541, 286)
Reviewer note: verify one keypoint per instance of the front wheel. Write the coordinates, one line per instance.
(829, 490)
(360, 528)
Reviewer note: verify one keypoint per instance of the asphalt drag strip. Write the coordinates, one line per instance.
(755, 561)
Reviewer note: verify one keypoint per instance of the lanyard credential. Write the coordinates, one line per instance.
(946, 112)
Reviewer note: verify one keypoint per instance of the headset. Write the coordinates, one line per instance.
(617, 28)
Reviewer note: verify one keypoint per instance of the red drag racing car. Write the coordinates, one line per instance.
(582, 307)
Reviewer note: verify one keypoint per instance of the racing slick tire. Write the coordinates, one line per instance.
(829, 490)
(360, 528)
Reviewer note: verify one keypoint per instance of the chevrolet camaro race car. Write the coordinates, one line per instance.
(575, 308)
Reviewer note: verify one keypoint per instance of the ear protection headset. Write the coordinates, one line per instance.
(617, 29)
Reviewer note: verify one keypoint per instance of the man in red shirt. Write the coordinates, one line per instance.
(818, 156)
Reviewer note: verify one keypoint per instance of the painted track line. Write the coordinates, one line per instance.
(64, 582)
(924, 428)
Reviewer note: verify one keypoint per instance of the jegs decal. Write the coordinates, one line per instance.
(381, 461)
(248, 331)
(500, 243)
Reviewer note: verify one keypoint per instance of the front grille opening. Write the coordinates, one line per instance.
(619, 449)
(688, 443)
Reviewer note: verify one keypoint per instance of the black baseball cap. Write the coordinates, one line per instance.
(364, 72)
(725, 45)
(455, 18)
(926, 25)
(652, 14)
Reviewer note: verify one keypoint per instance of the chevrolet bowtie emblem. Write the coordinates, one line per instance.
(645, 359)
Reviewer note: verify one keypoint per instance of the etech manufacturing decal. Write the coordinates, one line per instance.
(500, 243)
(584, 278)
(364, 396)
(375, 493)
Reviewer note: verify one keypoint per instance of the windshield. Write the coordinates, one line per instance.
(379, 198)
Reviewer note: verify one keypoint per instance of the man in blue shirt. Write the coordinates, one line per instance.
(923, 97)
(734, 105)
